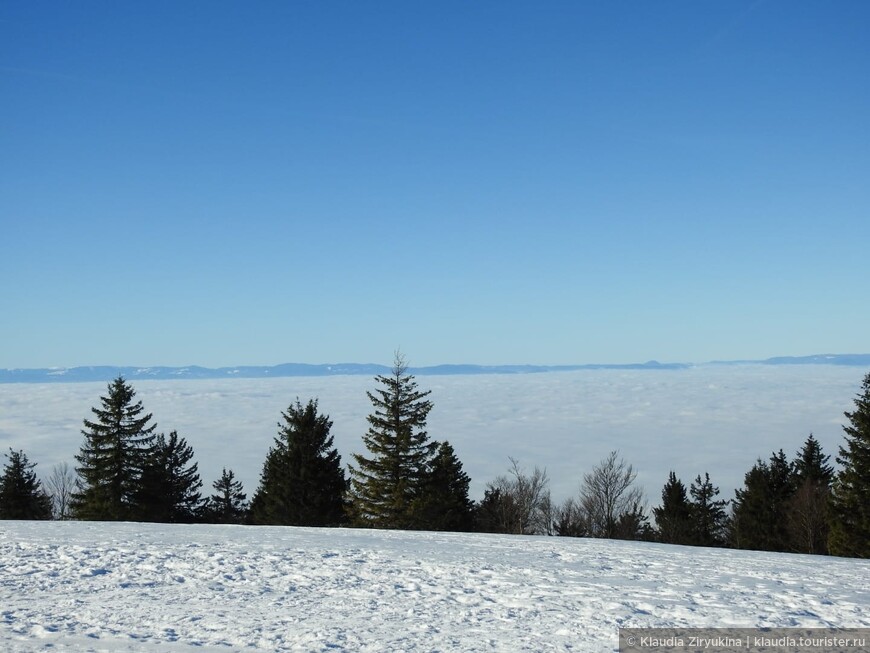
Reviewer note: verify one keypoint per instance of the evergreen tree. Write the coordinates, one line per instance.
(760, 519)
(709, 520)
(21, 493)
(169, 488)
(227, 505)
(633, 524)
(444, 504)
(811, 464)
(850, 527)
(752, 514)
(808, 509)
(387, 485)
(569, 520)
(496, 513)
(112, 459)
(674, 516)
(302, 483)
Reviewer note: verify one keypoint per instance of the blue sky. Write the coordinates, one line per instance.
(232, 183)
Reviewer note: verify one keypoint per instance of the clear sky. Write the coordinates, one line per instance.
(230, 183)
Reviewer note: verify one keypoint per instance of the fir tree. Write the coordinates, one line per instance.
(495, 513)
(808, 509)
(760, 508)
(850, 526)
(227, 505)
(811, 464)
(169, 488)
(674, 516)
(444, 504)
(387, 485)
(569, 520)
(633, 524)
(302, 483)
(709, 520)
(113, 457)
(21, 493)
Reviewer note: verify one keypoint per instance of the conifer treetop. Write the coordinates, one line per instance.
(387, 483)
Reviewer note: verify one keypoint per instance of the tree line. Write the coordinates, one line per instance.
(125, 470)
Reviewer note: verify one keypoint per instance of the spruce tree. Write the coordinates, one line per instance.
(808, 509)
(633, 524)
(496, 512)
(444, 504)
(811, 464)
(117, 446)
(674, 516)
(709, 520)
(850, 526)
(752, 510)
(760, 519)
(169, 488)
(302, 483)
(569, 520)
(21, 493)
(227, 505)
(387, 485)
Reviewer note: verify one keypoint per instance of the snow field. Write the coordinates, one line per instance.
(68, 586)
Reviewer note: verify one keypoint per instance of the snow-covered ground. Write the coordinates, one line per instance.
(143, 587)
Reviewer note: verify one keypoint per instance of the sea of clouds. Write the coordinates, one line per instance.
(711, 418)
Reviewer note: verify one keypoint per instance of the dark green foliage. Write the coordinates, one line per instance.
(760, 519)
(21, 493)
(444, 504)
(302, 483)
(808, 509)
(495, 513)
(568, 520)
(387, 485)
(112, 459)
(674, 516)
(709, 519)
(811, 464)
(633, 524)
(850, 526)
(169, 487)
(752, 513)
(227, 505)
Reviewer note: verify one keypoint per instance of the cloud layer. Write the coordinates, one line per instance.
(708, 418)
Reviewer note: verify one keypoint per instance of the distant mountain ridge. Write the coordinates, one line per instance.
(107, 373)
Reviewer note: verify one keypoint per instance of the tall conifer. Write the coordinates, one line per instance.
(302, 483)
(674, 516)
(387, 484)
(21, 493)
(809, 506)
(227, 505)
(169, 488)
(850, 527)
(444, 504)
(709, 520)
(760, 519)
(112, 459)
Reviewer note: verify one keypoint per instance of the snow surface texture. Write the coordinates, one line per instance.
(706, 419)
(67, 586)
